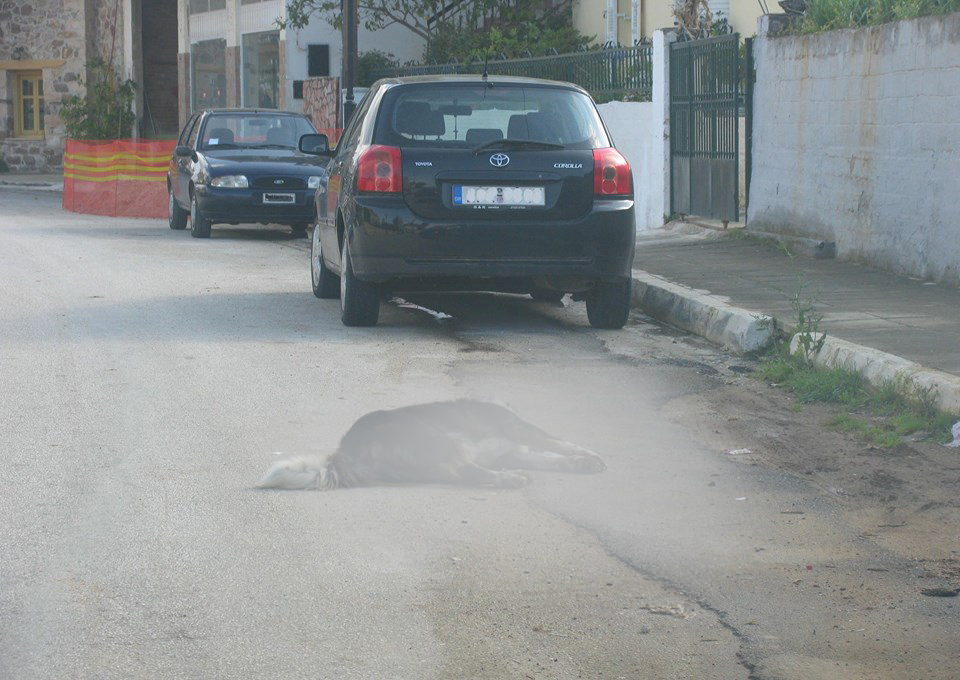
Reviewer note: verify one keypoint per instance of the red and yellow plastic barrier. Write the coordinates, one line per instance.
(120, 178)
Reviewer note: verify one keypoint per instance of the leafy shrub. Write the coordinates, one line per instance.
(106, 112)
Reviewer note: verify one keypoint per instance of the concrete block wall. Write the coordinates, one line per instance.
(856, 140)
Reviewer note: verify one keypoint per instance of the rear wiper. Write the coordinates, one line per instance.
(515, 144)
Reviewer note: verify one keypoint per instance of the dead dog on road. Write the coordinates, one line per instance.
(451, 442)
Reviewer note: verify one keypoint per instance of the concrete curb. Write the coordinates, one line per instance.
(742, 330)
(708, 316)
(880, 368)
(32, 186)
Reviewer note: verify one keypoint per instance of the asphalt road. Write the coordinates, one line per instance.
(147, 380)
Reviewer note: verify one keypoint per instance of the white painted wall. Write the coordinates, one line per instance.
(633, 128)
(856, 139)
(641, 131)
(395, 40)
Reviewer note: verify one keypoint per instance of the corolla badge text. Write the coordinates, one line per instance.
(568, 166)
(499, 160)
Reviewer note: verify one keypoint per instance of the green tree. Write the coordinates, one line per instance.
(481, 27)
(106, 112)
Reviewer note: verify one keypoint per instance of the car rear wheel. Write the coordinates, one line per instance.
(199, 225)
(359, 300)
(608, 304)
(325, 284)
(299, 230)
(547, 295)
(176, 216)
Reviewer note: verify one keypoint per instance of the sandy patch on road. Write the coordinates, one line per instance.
(904, 499)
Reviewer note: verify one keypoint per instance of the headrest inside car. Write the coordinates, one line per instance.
(517, 127)
(416, 118)
(221, 135)
(483, 135)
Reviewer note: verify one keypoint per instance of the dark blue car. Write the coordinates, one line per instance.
(240, 166)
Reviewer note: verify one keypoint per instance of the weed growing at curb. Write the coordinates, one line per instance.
(882, 415)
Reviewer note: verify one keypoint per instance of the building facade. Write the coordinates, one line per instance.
(232, 53)
(625, 22)
(45, 46)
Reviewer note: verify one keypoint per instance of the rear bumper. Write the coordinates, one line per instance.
(390, 244)
(246, 205)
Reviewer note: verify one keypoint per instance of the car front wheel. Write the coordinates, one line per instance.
(608, 304)
(199, 225)
(359, 300)
(176, 216)
(326, 285)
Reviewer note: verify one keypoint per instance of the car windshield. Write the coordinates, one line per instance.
(475, 115)
(253, 131)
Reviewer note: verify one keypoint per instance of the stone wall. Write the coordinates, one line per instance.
(44, 31)
(321, 101)
(61, 36)
(856, 140)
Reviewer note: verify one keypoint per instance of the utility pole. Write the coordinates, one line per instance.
(348, 71)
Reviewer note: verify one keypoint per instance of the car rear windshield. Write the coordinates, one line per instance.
(253, 131)
(468, 116)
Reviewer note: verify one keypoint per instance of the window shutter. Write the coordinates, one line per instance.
(318, 60)
(611, 22)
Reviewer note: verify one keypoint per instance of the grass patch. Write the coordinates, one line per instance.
(881, 415)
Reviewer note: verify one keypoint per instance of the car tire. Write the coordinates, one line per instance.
(176, 216)
(326, 285)
(299, 230)
(199, 225)
(608, 304)
(547, 295)
(359, 300)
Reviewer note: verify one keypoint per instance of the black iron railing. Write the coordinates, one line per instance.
(605, 74)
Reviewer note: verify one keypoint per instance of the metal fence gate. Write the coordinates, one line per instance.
(704, 127)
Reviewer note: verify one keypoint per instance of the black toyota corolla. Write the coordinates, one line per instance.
(243, 165)
(474, 183)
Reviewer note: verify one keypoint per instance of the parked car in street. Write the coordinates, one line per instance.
(474, 183)
(240, 166)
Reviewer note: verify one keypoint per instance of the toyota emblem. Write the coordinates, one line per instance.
(499, 159)
(278, 181)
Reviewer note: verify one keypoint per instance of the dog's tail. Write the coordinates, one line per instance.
(304, 472)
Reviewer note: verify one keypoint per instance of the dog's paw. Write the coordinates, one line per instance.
(513, 479)
(586, 464)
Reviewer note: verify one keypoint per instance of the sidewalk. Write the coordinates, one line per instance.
(34, 182)
(720, 284)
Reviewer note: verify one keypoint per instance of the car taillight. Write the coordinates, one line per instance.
(379, 170)
(611, 174)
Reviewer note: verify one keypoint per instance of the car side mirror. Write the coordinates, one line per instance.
(316, 145)
(183, 151)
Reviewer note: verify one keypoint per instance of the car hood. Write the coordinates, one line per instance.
(263, 161)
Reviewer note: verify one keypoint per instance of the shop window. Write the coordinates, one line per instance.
(209, 74)
(261, 69)
(29, 104)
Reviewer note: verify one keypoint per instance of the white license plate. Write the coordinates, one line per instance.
(508, 196)
(270, 197)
